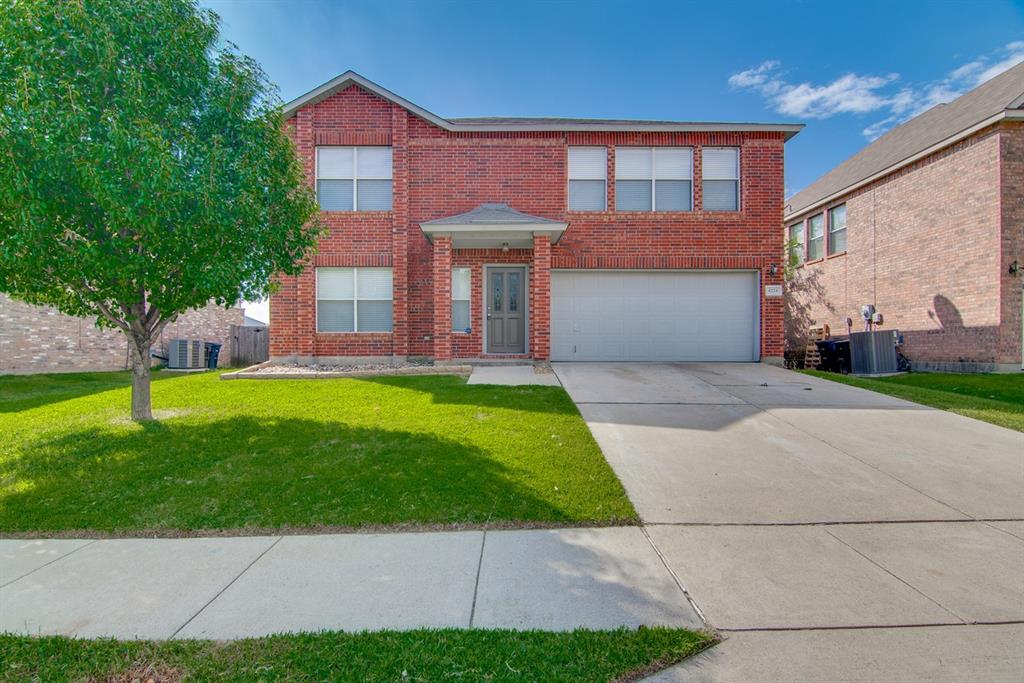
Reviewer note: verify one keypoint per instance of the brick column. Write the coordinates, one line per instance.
(400, 229)
(442, 297)
(305, 282)
(540, 298)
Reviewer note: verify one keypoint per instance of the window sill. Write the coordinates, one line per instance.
(812, 262)
(836, 255)
(359, 334)
(343, 212)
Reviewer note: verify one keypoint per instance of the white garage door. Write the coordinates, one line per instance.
(654, 315)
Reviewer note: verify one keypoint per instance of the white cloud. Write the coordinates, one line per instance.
(864, 94)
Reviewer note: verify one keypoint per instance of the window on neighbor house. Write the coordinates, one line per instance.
(653, 179)
(837, 230)
(588, 174)
(353, 299)
(461, 287)
(815, 237)
(353, 178)
(720, 171)
(796, 240)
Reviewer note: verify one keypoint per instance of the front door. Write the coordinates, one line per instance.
(506, 310)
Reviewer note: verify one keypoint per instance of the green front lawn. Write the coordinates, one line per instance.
(270, 454)
(410, 656)
(998, 399)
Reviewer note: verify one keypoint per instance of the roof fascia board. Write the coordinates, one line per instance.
(441, 228)
(352, 78)
(952, 139)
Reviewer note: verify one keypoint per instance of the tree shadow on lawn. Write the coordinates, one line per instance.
(450, 389)
(241, 472)
(25, 392)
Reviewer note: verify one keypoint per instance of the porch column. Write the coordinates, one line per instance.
(442, 297)
(540, 298)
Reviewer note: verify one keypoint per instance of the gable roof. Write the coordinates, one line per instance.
(488, 124)
(942, 125)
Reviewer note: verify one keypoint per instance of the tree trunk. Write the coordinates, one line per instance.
(142, 406)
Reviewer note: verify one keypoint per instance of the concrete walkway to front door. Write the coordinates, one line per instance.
(830, 533)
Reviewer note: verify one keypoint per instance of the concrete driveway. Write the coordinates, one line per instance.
(785, 502)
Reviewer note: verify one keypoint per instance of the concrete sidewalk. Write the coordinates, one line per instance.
(239, 587)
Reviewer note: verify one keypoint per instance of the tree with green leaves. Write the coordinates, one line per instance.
(144, 168)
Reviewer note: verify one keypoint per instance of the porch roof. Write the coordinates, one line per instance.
(493, 225)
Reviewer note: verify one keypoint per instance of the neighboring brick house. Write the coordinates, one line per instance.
(926, 224)
(42, 339)
(561, 239)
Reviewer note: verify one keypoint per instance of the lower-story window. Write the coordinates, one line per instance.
(461, 286)
(353, 299)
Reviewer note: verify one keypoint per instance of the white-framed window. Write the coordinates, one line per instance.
(353, 299)
(720, 173)
(796, 239)
(815, 237)
(588, 178)
(837, 230)
(653, 179)
(353, 178)
(462, 285)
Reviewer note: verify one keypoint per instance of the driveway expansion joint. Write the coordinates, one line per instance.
(898, 578)
(675, 577)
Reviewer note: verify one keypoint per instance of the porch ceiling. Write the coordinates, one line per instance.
(493, 226)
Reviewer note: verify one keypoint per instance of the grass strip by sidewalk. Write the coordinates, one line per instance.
(326, 455)
(407, 656)
(998, 399)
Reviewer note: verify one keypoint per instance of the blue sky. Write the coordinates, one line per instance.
(849, 70)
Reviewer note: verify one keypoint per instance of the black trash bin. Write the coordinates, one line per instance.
(212, 353)
(835, 355)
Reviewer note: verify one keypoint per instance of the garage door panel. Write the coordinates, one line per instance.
(654, 315)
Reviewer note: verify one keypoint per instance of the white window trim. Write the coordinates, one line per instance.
(568, 152)
(654, 179)
(739, 185)
(468, 299)
(803, 239)
(830, 231)
(355, 298)
(355, 176)
(807, 238)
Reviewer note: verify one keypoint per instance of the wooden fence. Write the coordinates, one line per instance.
(249, 345)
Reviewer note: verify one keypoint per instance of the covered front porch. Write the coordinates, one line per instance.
(492, 283)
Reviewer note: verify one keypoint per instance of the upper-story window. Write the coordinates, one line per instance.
(837, 230)
(353, 178)
(796, 243)
(588, 174)
(720, 171)
(653, 179)
(815, 237)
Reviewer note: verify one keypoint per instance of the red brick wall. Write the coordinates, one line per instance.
(1012, 197)
(438, 173)
(924, 246)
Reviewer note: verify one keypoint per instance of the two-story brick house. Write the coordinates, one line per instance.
(927, 225)
(561, 239)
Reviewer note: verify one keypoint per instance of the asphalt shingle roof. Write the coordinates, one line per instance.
(916, 135)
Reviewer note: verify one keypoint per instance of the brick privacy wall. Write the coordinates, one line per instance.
(437, 173)
(924, 246)
(41, 339)
(1012, 189)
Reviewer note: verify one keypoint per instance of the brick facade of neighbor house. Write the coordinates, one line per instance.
(437, 173)
(41, 339)
(931, 246)
(934, 234)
